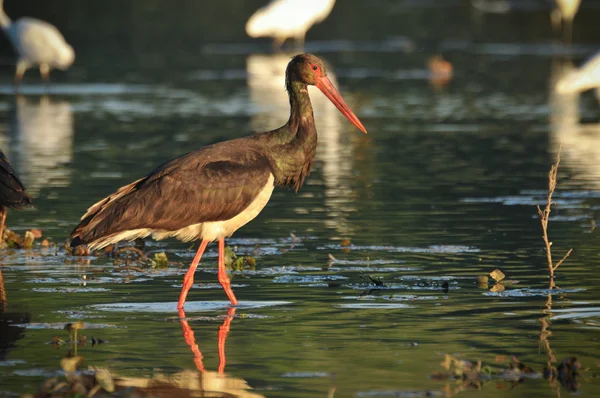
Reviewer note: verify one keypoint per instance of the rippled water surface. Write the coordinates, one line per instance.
(367, 277)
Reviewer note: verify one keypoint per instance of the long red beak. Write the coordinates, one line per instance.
(324, 84)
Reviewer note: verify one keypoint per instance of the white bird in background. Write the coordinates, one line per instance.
(283, 19)
(584, 78)
(565, 13)
(37, 43)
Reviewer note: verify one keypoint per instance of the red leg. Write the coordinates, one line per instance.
(188, 279)
(223, 332)
(190, 339)
(223, 278)
(2, 220)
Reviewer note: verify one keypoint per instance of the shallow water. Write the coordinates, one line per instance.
(442, 190)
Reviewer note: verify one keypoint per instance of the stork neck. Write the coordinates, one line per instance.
(301, 112)
(294, 146)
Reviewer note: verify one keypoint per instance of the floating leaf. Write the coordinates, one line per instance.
(497, 288)
(160, 260)
(482, 279)
(28, 240)
(45, 243)
(251, 262)
(81, 250)
(37, 233)
(12, 239)
(345, 242)
(238, 264)
(229, 257)
(497, 275)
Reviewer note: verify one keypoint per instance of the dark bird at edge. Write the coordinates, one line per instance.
(12, 192)
(210, 193)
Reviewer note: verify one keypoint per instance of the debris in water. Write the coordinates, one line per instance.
(69, 364)
(470, 375)
(72, 328)
(235, 263)
(345, 242)
(445, 287)
(566, 373)
(440, 71)
(497, 275)
(28, 240)
(81, 250)
(497, 288)
(160, 261)
(14, 241)
(374, 281)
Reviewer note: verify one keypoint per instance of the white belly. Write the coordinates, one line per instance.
(209, 231)
(215, 230)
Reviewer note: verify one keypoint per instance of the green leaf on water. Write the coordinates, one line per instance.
(229, 257)
(235, 263)
(238, 264)
(160, 261)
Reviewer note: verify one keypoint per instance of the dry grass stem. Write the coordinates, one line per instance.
(545, 217)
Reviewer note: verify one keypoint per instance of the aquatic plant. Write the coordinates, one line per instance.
(545, 218)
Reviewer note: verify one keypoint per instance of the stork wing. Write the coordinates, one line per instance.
(181, 193)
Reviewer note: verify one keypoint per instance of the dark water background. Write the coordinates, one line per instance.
(443, 189)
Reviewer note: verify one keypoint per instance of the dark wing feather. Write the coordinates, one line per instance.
(12, 191)
(195, 188)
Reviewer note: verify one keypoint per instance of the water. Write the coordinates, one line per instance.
(442, 190)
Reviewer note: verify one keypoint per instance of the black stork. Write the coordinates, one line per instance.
(12, 191)
(210, 193)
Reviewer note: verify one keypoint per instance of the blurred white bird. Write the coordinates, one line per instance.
(584, 78)
(37, 43)
(565, 13)
(283, 19)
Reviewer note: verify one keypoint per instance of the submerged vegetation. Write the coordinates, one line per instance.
(13, 240)
(460, 374)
